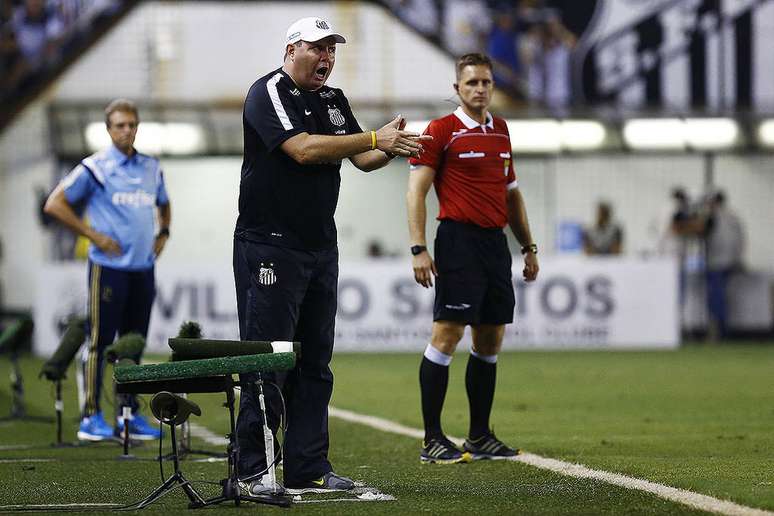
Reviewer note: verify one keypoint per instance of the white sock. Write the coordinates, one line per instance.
(490, 359)
(436, 357)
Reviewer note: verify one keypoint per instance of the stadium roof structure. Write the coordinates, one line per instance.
(207, 129)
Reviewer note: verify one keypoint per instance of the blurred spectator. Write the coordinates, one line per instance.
(375, 249)
(39, 30)
(35, 34)
(13, 66)
(528, 41)
(682, 224)
(6, 11)
(466, 24)
(680, 235)
(605, 237)
(725, 242)
(503, 49)
(420, 14)
(546, 53)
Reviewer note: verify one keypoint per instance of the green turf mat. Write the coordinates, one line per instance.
(188, 349)
(205, 367)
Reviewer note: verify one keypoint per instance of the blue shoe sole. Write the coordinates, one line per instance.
(84, 436)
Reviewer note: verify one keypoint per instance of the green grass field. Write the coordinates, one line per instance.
(700, 419)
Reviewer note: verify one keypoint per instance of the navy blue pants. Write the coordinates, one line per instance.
(290, 295)
(717, 286)
(119, 303)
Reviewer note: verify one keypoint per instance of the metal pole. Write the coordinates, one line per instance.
(709, 171)
(268, 437)
(59, 407)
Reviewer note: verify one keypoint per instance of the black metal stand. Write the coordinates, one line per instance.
(172, 482)
(127, 414)
(231, 490)
(18, 410)
(185, 449)
(230, 485)
(59, 408)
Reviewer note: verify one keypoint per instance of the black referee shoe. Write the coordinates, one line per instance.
(441, 450)
(489, 447)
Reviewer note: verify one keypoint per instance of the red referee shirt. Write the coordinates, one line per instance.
(473, 168)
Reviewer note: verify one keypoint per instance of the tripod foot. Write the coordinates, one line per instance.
(278, 501)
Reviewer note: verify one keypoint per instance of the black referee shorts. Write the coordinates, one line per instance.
(474, 275)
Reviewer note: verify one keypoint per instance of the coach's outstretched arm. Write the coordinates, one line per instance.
(307, 149)
(517, 220)
(58, 207)
(420, 180)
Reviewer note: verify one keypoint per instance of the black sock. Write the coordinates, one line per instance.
(480, 379)
(433, 380)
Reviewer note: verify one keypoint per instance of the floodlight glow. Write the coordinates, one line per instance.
(582, 134)
(153, 138)
(150, 136)
(182, 138)
(97, 136)
(654, 134)
(766, 133)
(529, 136)
(711, 133)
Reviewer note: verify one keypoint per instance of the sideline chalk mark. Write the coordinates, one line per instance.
(689, 498)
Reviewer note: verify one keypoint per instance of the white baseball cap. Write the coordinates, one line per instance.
(311, 29)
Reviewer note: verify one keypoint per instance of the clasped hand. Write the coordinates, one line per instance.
(392, 138)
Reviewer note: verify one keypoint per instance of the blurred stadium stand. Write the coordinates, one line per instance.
(39, 39)
(654, 95)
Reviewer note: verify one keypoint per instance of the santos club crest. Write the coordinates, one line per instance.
(266, 274)
(336, 117)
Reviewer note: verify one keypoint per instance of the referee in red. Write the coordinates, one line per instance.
(469, 163)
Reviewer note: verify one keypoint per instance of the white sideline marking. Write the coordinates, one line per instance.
(49, 506)
(16, 461)
(386, 498)
(207, 436)
(689, 498)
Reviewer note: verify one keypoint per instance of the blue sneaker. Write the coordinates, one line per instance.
(94, 428)
(139, 429)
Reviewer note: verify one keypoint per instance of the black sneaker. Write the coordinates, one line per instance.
(441, 450)
(325, 484)
(489, 447)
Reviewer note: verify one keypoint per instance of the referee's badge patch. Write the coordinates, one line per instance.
(266, 274)
(336, 117)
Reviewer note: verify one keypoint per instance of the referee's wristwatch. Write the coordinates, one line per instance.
(418, 249)
(529, 248)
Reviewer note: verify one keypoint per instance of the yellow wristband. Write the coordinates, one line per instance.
(373, 140)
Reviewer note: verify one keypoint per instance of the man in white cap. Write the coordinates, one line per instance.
(296, 132)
